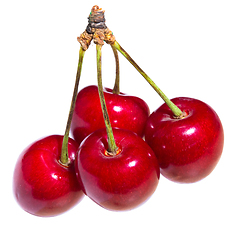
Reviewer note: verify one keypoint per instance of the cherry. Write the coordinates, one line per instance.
(44, 181)
(127, 112)
(42, 185)
(117, 182)
(188, 148)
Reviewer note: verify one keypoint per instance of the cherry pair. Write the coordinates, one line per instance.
(188, 146)
(113, 165)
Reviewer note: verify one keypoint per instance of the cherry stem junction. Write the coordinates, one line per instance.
(176, 111)
(112, 147)
(64, 154)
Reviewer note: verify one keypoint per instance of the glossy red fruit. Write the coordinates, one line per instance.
(126, 112)
(119, 182)
(187, 149)
(41, 184)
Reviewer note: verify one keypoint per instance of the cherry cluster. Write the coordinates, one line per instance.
(118, 148)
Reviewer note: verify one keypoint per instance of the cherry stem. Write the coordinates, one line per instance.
(116, 89)
(112, 147)
(64, 154)
(176, 111)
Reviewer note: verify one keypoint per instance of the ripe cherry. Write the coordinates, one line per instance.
(126, 112)
(188, 148)
(120, 181)
(42, 185)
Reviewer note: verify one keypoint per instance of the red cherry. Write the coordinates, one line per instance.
(126, 112)
(42, 185)
(117, 182)
(189, 148)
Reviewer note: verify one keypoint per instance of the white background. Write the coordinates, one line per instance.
(189, 48)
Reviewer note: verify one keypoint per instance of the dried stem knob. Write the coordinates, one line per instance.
(96, 30)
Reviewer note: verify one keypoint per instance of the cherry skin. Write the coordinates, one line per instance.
(188, 149)
(42, 185)
(126, 112)
(117, 182)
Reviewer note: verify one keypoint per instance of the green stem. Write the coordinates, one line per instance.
(176, 111)
(112, 147)
(116, 89)
(64, 154)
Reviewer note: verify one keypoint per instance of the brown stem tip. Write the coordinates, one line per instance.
(96, 30)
